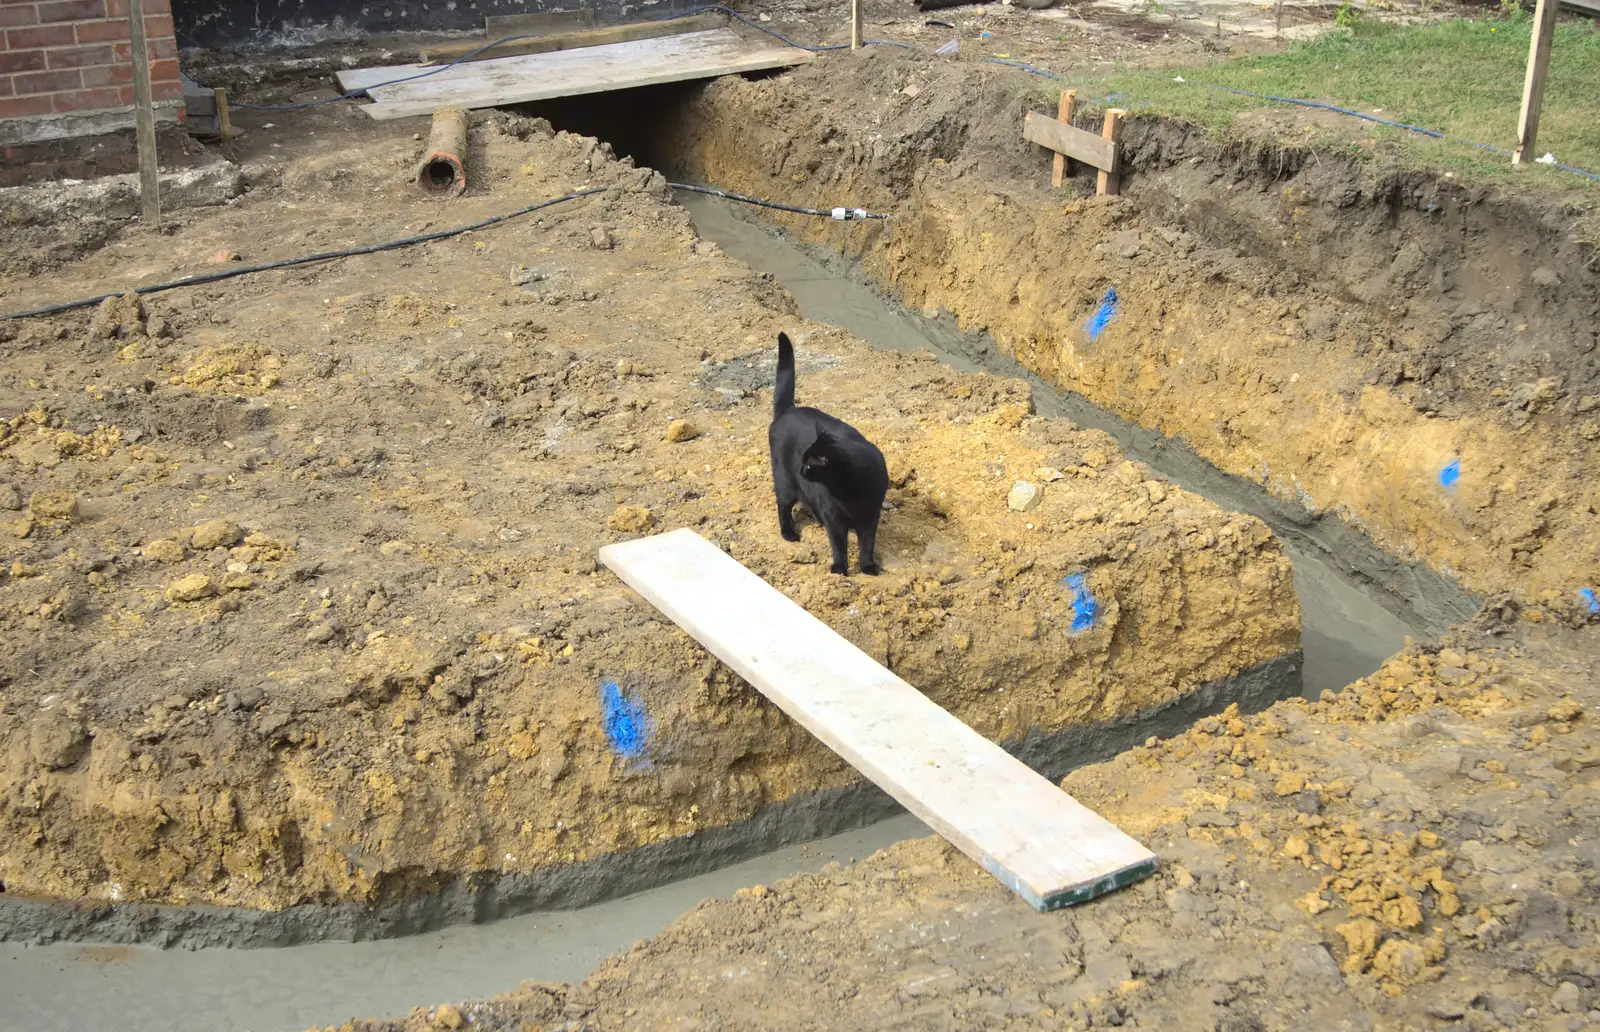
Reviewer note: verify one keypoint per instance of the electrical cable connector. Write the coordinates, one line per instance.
(847, 214)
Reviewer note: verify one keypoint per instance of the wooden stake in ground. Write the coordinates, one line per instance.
(1064, 108)
(855, 24)
(224, 119)
(144, 116)
(1104, 152)
(1544, 28)
(1110, 181)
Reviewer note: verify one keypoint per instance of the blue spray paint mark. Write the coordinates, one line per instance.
(1102, 315)
(1588, 596)
(627, 725)
(1450, 474)
(1084, 607)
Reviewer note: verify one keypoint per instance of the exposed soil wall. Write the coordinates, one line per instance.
(299, 595)
(1410, 854)
(1373, 348)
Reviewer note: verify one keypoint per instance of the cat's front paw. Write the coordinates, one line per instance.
(871, 569)
(842, 569)
(790, 535)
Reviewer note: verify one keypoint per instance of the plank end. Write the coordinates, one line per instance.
(1072, 895)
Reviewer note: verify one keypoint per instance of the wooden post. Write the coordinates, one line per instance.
(1058, 171)
(1111, 182)
(224, 120)
(1544, 27)
(144, 117)
(855, 24)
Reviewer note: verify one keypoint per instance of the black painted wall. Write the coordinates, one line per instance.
(267, 23)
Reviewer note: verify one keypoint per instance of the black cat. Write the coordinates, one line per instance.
(827, 464)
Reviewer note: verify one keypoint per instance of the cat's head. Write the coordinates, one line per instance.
(822, 463)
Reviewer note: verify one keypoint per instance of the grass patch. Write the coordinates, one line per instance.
(1462, 78)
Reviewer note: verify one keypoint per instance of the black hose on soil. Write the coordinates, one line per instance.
(845, 214)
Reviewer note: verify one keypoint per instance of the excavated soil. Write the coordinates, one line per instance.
(1410, 355)
(299, 596)
(1402, 355)
(1415, 853)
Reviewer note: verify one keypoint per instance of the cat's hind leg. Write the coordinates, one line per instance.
(867, 538)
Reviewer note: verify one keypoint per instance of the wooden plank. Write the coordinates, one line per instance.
(1544, 28)
(618, 66)
(224, 118)
(550, 43)
(1064, 109)
(499, 26)
(144, 119)
(1033, 837)
(1110, 179)
(1070, 140)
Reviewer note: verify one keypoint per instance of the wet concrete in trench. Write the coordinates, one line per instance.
(1346, 634)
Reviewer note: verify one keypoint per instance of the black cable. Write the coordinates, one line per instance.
(284, 263)
(842, 214)
(443, 234)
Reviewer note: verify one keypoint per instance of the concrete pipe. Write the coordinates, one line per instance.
(442, 170)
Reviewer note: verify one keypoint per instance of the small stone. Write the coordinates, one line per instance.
(192, 588)
(600, 238)
(1156, 490)
(1312, 904)
(53, 505)
(216, 534)
(1565, 711)
(1085, 514)
(631, 519)
(158, 328)
(447, 1016)
(1567, 998)
(165, 551)
(680, 430)
(321, 634)
(1296, 847)
(1024, 496)
(20, 528)
(1290, 783)
(1049, 474)
(1428, 840)
(56, 740)
(10, 498)
(239, 582)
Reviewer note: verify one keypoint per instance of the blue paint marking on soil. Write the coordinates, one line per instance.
(627, 725)
(1102, 315)
(1085, 610)
(1450, 474)
(1590, 599)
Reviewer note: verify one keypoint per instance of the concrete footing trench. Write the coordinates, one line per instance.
(316, 707)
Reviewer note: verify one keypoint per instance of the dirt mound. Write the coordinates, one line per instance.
(299, 591)
(1410, 852)
(1361, 347)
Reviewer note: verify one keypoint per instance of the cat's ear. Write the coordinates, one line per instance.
(783, 339)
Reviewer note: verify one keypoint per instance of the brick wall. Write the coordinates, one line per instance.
(73, 57)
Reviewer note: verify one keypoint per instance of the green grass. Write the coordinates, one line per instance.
(1463, 78)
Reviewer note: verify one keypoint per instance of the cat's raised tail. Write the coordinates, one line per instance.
(783, 391)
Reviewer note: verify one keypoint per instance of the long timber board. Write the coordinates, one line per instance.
(1036, 839)
(567, 73)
